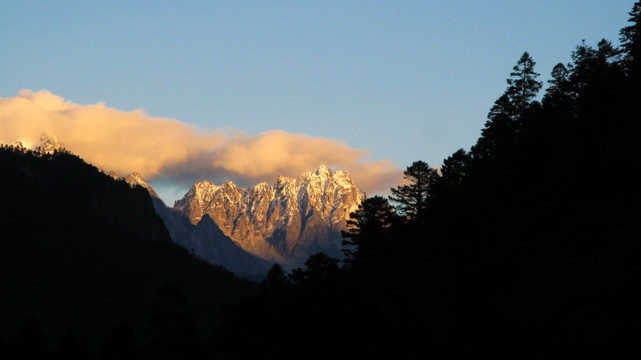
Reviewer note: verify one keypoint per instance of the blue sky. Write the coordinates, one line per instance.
(405, 80)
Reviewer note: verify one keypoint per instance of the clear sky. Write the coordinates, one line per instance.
(404, 80)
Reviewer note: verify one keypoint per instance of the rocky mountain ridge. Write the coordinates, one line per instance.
(247, 229)
(283, 223)
(47, 145)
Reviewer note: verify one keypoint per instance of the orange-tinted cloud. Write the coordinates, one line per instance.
(159, 148)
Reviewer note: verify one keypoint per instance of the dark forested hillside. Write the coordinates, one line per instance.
(527, 245)
(86, 263)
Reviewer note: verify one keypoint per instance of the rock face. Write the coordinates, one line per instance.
(283, 223)
(210, 244)
(246, 230)
(204, 239)
(134, 179)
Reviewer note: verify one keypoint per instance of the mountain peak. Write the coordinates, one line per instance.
(261, 186)
(49, 144)
(323, 171)
(285, 222)
(134, 179)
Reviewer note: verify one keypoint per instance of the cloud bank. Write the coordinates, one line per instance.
(169, 150)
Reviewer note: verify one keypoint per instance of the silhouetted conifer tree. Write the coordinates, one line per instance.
(412, 198)
(505, 119)
(630, 37)
(449, 187)
(591, 66)
(559, 93)
(368, 233)
(499, 132)
(275, 282)
(320, 270)
(523, 86)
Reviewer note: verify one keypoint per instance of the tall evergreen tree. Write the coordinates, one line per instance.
(559, 93)
(582, 66)
(591, 67)
(320, 272)
(449, 186)
(523, 86)
(275, 282)
(412, 198)
(630, 37)
(368, 230)
(505, 116)
(499, 131)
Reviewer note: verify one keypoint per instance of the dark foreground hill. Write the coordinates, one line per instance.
(83, 256)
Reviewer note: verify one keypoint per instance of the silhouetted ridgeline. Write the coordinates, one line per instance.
(84, 258)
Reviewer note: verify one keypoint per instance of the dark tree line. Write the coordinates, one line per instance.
(526, 245)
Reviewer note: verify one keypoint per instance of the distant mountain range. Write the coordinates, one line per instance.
(284, 223)
(246, 230)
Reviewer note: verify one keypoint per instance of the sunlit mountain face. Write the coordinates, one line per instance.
(247, 229)
(285, 222)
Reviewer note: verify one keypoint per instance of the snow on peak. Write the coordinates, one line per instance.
(112, 174)
(134, 179)
(323, 171)
(284, 220)
(49, 144)
(261, 187)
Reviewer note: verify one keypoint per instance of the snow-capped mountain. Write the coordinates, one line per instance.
(134, 179)
(286, 222)
(247, 229)
(204, 239)
(48, 144)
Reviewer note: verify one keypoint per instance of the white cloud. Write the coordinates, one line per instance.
(169, 150)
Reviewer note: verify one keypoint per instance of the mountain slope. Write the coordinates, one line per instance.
(210, 244)
(81, 250)
(284, 223)
(205, 239)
